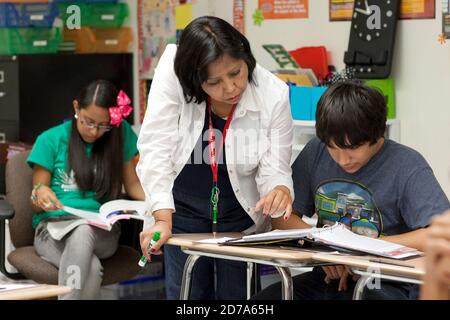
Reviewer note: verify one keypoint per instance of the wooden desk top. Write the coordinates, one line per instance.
(40, 291)
(253, 252)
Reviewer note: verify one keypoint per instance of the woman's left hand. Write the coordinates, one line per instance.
(276, 202)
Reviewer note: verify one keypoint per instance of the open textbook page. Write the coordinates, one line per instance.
(108, 214)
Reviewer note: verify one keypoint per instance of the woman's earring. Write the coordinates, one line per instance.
(75, 116)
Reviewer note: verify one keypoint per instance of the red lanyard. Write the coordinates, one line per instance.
(212, 142)
(213, 156)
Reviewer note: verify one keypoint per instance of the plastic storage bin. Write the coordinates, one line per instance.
(304, 101)
(24, 15)
(314, 58)
(29, 40)
(84, 1)
(98, 15)
(386, 86)
(100, 40)
(24, 1)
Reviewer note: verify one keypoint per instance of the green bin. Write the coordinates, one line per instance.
(102, 15)
(29, 40)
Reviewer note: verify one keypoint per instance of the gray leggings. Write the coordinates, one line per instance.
(77, 256)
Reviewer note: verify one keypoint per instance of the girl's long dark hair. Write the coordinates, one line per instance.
(102, 170)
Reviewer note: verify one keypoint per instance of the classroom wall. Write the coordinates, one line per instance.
(421, 69)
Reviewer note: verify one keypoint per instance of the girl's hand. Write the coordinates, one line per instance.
(146, 236)
(276, 202)
(45, 198)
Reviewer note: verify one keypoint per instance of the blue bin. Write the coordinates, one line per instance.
(304, 101)
(24, 15)
(316, 93)
(300, 102)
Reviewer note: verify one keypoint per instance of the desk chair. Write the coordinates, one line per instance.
(17, 210)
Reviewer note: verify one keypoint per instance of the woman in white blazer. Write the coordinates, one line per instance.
(215, 150)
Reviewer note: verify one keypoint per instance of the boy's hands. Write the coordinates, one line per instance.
(339, 272)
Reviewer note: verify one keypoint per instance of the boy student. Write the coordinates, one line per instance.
(351, 174)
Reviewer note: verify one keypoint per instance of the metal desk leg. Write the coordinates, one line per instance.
(360, 285)
(249, 279)
(187, 276)
(286, 283)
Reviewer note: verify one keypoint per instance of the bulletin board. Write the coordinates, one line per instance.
(446, 19)
(284, 9)
(341, 10)
(159, 24)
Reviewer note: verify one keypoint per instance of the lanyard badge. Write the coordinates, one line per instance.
(213, 156)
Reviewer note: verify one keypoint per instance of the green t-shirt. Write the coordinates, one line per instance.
(51, 152)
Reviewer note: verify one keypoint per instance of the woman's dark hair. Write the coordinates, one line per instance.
(202, 42)
(350, 114)
(102, 170)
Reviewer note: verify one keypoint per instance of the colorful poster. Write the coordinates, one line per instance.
(341, 10)
(284, 9)
(445, 20)
(238, 15)
(158, 28)
(183, 15)
(417, 9)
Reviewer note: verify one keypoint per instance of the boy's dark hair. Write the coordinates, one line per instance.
(102, 171)
(350, 114)
(203, 41)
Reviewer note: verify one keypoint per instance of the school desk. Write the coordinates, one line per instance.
(281, 259)
(39, 291)
(409, 271)
(371, 268)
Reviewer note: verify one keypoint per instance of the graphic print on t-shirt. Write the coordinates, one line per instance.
(66, 181)
(349, 203)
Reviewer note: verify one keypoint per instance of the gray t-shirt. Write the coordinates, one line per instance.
(395, 192)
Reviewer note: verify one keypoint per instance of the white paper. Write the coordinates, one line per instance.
(214, 240)
(279, 234)
(339, 235)
(14, 286)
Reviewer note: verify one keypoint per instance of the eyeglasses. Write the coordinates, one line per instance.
(91, 125)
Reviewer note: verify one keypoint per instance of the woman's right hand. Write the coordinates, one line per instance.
(165, 228)
(45, 198)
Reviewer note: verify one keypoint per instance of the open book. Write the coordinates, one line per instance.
(337, 236)
(108, 214)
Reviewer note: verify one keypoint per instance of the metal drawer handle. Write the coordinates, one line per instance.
(2, 94)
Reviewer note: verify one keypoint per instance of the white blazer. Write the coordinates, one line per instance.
(258, 145)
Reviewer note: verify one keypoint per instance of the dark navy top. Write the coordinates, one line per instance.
(192, 190)
(196, 178)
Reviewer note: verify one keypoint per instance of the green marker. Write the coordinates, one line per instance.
(155, 238)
